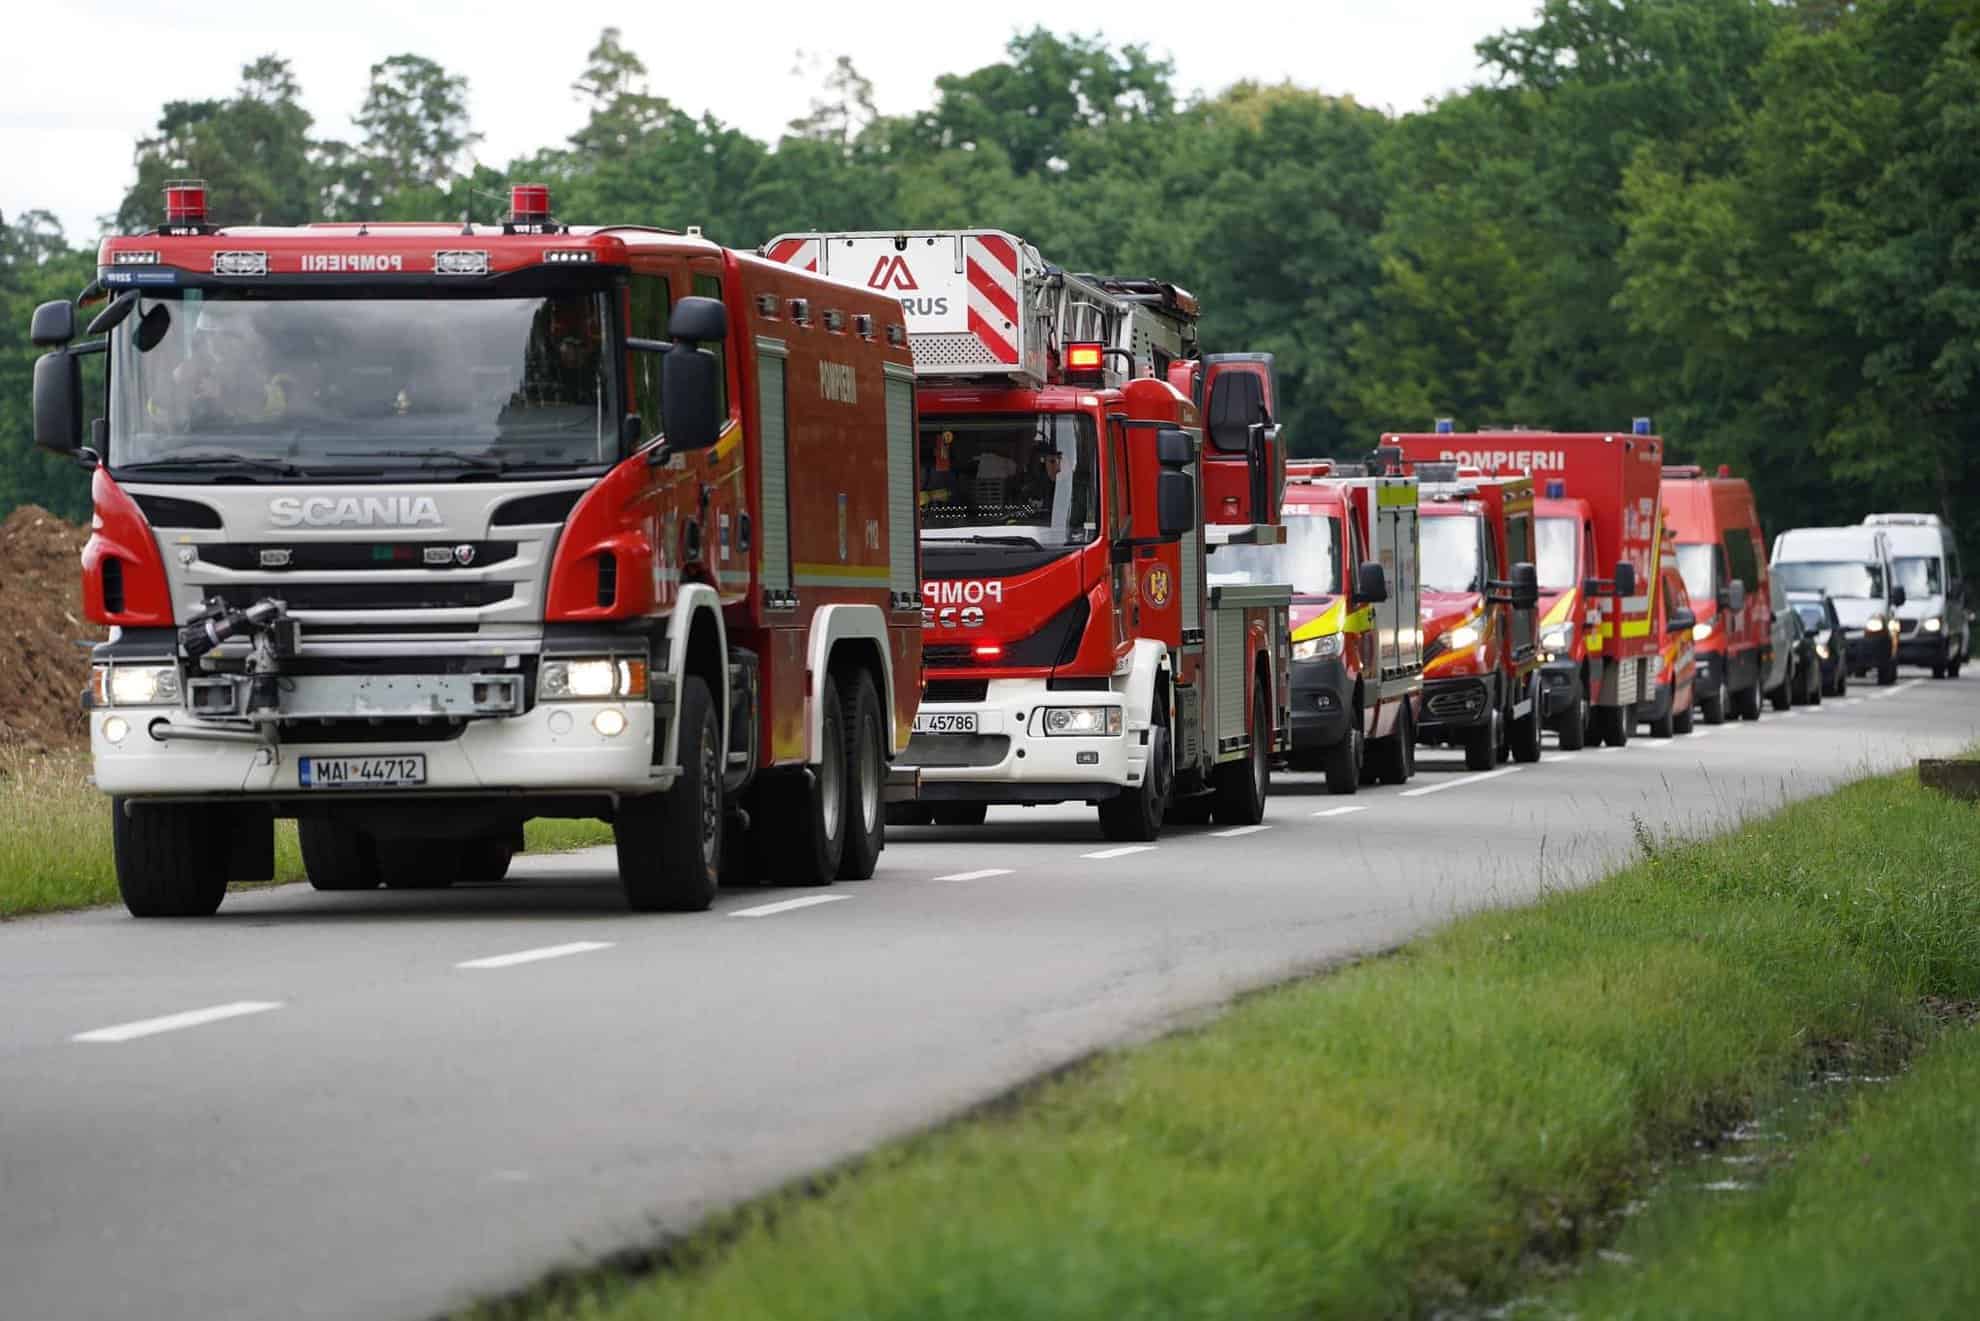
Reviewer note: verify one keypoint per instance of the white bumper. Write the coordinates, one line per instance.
(1010, 749)
(552, 749)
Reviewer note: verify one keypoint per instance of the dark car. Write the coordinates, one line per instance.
(1824, 628)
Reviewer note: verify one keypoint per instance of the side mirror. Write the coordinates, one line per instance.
(1174, 448)
(1371, 585)
(54, 324)
(690, 397)
(1735, 600)
(699, 321)
(58, 402)
(1175, 504)
(1591, 586)
(1682, 620)
(1526, 586)
(1897, 596)
(1625, 578)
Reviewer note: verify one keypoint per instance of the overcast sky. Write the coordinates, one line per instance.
(80, 80)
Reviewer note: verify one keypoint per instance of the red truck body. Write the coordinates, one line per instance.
(1722, 555)
(419, 472)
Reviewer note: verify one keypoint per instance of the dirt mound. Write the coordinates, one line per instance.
(42, 670)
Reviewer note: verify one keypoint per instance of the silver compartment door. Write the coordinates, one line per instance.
(774, 531)
(902, 580)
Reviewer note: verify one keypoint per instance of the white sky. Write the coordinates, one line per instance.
(80, 80)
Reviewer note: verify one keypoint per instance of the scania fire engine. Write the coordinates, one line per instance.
(1079, 644)
(413, 532)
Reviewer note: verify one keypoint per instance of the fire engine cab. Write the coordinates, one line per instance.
(413, 532)
(1082, 642)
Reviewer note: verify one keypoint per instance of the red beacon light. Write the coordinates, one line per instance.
(529, 205)
(1085, 361)
(185, 204)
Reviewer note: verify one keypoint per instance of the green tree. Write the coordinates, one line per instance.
(253, 149)
(416, 135)
(36, 265)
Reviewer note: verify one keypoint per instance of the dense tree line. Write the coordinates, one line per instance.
(1755, 220)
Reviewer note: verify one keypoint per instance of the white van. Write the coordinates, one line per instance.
(1853, 565)
(1932, 624)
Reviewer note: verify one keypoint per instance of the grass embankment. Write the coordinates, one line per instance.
(1402, 1136)
(55, 836)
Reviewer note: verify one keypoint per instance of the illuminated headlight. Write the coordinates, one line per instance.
(132, 257)
(1699, 632)
(134, 685)
(1873, 625)
(1082, 721)
(115, 730)
(1822, 650)
(1463, 636)
(1555, 638)
(1933, 625)
(591, 679)
(1320, 648)
(611, 722)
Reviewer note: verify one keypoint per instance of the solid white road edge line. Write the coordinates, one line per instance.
(1340, 811)
(146, 1027)
(1462, 781)
(536, 955)
(788, 905)
(1236, 831)
(1121, 852)
(983, 875)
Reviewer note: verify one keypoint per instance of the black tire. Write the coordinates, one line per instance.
(960, 814)
(1345, 760)
(1665, 725)
(1716, 707)
(1524, 737)
(169, 858)
(910, 814)
(803, 824)
(1939, 671)
(1135, 815)
(486, 861)
(1887, 674)
(1746, 702)
(1783, 696)
(1243, 786)
(1388, 760)
(1481, 743)
(1612, 725)
(336, 856)
(866, 778)
(1574, 725)
(670, 844)
(1681, 720)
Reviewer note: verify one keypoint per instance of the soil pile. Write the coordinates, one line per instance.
(42, 670)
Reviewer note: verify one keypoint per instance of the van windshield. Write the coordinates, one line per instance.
(1309, 559)
(1010, 478)
(1449, 553)
(1836, 577)
(1918, 575)
(1555, 558)
(1695, 567)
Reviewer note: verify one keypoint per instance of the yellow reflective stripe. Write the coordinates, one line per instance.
(1636, 628)
(1326, 622)
(1361, 620)
(1395, 497)
(1594, 640)
(1561, 609)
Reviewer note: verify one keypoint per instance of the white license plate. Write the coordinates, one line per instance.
(363, 772)
(946, 722)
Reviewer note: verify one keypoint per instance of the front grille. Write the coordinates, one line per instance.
(168, 511)
(366, 731)
(943, 750)
(357, 556)
(1456, 703)
(1907, 626)
(438, 594)
(945, 655)
(956, 690)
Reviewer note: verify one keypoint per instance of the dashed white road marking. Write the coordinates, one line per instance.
(537, 955)
(1461, 781)
(983, 875)
(1236, 831)
(148, 1027)
(1341, 811)
(789, 905)
(1120, 852)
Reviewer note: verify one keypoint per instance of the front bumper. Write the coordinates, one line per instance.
(553, 749)
(1867, 651)
(1921, 648)
(1005, 761)
(1322, 704)
(1456, 703)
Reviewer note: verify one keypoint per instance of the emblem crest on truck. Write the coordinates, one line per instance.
(353, 511)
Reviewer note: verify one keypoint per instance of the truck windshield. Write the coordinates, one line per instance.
(1695, 566)
(1918, 575)
(1836, 577)
(314, 383)
(1555, 557)
(1449, 553)
(1022, 478)
(1309, 559)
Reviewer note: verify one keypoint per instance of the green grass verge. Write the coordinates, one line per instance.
(1874, 1219)
(55, 836)
(1393, 1139)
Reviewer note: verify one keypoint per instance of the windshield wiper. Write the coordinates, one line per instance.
(454, 457)
(1033, 542)
(282, 466)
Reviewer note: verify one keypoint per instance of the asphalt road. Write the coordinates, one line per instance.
(389, 1104)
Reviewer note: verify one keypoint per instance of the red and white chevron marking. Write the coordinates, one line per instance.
(991, 264)
(801, 253)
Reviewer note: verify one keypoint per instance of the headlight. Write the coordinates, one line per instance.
(591, 679)
(1699, 632)
(1463, 636)
(1873, 625)
(1556, 638)
(1082, 721)
(1934, 624)
(1320, 648)
(1822, 650)
(134, 685)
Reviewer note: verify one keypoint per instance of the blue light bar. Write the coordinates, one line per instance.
(1445, 426)
(1556, 489)
(1641, 426)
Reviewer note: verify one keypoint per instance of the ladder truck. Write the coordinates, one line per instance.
(1079, 645)
(415, 532)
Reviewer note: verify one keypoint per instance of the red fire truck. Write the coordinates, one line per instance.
(1602, 488)
(1081, 645)
(413, 532)
(1481, 682)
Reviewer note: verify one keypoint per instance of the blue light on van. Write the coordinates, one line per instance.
(1641, 426)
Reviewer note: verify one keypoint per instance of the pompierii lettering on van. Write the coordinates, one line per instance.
(1501, 460)
(313, 262)
(963, 591)
(353, 511)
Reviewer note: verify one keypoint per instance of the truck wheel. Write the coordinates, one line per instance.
(1614, 722)
(670, 844)
(1747, 701)
(1574, 724)
(1715, 706)
(1525, 737)
(960, 814)
(1681, 720)
(486, 861)
(337, 856)
(866, 776)
(168, 859)
(1242, 786)
(1481, 744)
(1783, 696)
(1135, 815)
(1666, 725)
(809, 811)
(1345, 760)
(410, 866)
